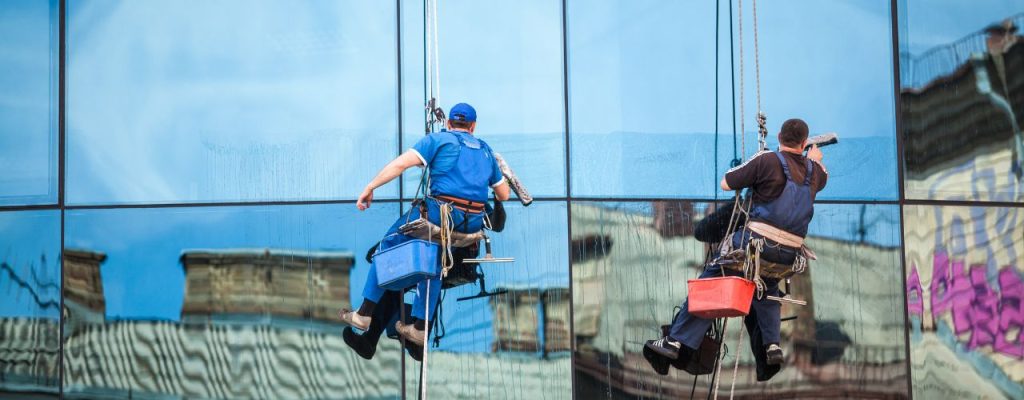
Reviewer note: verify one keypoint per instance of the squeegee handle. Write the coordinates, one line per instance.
(513, 181)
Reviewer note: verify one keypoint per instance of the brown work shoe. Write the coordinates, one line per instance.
(410, 333)
(353, 319)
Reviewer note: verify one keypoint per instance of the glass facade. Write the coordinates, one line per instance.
(179, 221)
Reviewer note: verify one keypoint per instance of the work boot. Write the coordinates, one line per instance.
(357, 343)
(774, 353)
(355, 320)
(411, 334)
(666, 347)
(658, 363)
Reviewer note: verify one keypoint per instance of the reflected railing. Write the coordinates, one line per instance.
(918, 70)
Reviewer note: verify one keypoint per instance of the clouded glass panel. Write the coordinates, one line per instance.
(229, 101)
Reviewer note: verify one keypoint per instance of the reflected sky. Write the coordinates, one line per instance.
(214, 101)
(30, 264)
(642, 90)
(928, 23)
(505, 59)
(28, 87)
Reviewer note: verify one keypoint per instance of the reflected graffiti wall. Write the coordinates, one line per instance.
(965, 287)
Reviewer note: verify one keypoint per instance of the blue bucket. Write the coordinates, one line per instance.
(406, 264)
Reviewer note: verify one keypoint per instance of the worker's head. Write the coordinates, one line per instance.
(462, 117)
(793, 133)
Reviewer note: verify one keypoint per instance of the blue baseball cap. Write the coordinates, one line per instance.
(462, 112)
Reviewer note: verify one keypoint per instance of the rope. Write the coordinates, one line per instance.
(447, 228)
(426, 352)
(736, 365)
(743, 115)
(718, 361)
(757, 60)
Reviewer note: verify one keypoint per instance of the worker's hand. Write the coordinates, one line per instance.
(815, 153)
(365, 199)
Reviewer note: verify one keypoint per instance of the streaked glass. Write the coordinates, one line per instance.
(29, 65)
(642, 94)
(630, 269)
(516, 343)
(204, 101)
(30, 303)
(220, 302)
(964, 295)
(962, 96)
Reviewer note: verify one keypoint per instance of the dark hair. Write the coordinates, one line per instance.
(460, 124)
(793, 132)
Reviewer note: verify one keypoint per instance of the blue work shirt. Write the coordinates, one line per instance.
(440, 151)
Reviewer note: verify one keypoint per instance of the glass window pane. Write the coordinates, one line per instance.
(229, 101)
(631, 262)
(964, 296)
(642, 93)
(514, 344)
(28, 102)
(220, 302)
(29, 301)
(504, 59)
(962, 94)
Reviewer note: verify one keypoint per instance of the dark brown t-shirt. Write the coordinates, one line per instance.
(764, 175)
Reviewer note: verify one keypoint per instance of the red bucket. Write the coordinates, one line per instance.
(723, 297)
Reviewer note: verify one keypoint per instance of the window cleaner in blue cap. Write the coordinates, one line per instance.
(460, 169)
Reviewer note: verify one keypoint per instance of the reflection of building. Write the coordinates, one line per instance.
(966, 120)
(259, 323)
(29, 346)
(517, 320)
(83, 286)
(624, 294)
(301, 285)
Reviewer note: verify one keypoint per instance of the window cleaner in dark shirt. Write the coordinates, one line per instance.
(783, 185)
(461, 169)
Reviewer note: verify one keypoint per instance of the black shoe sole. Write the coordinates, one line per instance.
(356, 343)
(775, 358)
(415, 351)
(661, 351)
(658, 363)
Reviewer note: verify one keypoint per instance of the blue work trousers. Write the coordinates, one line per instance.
(464, 222)
(690, 329)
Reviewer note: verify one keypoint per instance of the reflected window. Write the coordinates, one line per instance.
(642, 94)
(965, 287)
(962, 93)
(505, 59)
(516, 318)
(179, 289)
(849, 336)
(30, 301)
(229, 101)
(28, 102)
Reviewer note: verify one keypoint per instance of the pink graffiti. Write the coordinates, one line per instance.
(990, 317)
(915, 301)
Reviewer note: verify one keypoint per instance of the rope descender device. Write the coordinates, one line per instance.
(435, 116)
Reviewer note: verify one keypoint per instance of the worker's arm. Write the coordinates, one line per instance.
(501, 190)
(815, 154)
(391, 171)
(725, 185)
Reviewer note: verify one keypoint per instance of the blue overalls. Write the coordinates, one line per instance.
(466, 180)
(791, 211)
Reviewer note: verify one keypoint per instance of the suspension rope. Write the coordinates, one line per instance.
(741, 207)
(743, 115)
(434, 117)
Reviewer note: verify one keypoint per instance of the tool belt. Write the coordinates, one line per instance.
(776, 235)
(469, 206)
(421, 228)
(742, 259)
